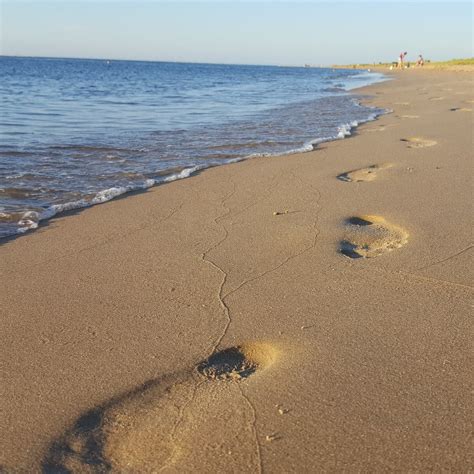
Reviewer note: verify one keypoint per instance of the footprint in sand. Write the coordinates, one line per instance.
(379, 128)
(237, 363)
(161, 423)
(436, 98)
(418, 142)
(461, 109)
(371, 236)
(363, 174)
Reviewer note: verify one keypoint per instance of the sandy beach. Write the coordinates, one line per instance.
(303, 313)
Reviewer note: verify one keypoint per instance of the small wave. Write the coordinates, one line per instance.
(215, 156)
(12, 124)
(333, 89)
(17, 193)
(239, 146)
(11, 217)
(167, 172)
(116, 102)
(40, 114)
(13, 132)
(15, 153)
(344, 131)
(30, 220)
(25, 176)
(88, 148)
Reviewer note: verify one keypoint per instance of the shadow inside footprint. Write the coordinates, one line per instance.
(237, 362)
(460, 109)
(358, 175)
(230, 364)
(349, 250)
(358, 221)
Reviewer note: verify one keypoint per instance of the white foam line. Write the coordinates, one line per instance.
(370, 78)
(31, 219)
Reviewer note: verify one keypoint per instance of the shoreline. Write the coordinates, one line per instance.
(106, 195)
(351, 363)
(447, 66)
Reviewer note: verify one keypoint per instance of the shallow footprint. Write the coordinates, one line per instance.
(371, 236)
(418, 142)
(461, 109)
(379, 128)
(363, 174)
(131, 432)
(138, 431)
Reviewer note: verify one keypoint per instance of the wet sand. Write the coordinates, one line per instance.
(292, 314)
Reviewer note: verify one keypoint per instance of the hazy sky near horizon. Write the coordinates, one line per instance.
(287, 32)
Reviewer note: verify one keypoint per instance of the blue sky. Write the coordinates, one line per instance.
(287, 32)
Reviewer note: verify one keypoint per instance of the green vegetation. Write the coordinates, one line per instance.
(453, 62)
(428, 63)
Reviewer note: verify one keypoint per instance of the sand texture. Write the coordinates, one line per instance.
(306, 313)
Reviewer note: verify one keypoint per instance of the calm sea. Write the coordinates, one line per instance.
(74, 133)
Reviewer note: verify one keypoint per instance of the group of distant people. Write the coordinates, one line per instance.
(401, 60)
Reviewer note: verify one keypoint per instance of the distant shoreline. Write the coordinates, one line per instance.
(466, 65)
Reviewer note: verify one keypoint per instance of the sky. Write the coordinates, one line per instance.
(287, 32)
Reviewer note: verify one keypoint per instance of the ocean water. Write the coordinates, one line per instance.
(74, 133)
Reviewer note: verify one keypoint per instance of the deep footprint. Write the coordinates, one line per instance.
(371, 236)
(418, 142)
(363, 174)
(237, 362)
(136, 432)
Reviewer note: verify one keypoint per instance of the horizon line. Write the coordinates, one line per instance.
(160, 61)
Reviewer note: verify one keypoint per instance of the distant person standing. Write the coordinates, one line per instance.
(420, 61)
(401, 59)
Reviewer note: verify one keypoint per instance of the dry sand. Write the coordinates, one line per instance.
(329, 363)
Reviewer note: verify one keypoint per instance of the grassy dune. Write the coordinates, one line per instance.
(452, 64)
